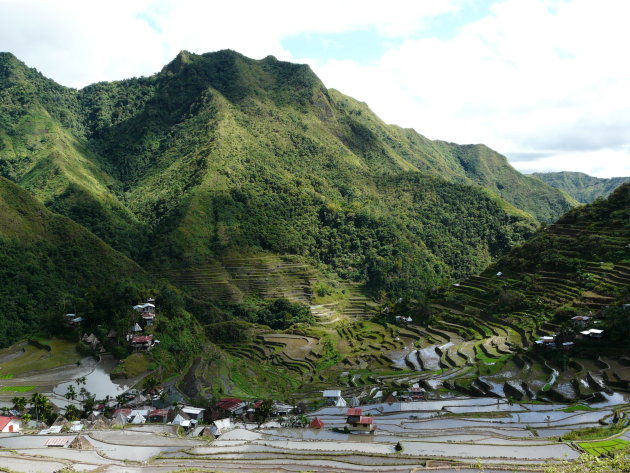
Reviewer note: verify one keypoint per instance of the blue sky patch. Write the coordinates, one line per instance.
(367, 45)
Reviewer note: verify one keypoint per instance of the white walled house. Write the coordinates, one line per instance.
(10, 424)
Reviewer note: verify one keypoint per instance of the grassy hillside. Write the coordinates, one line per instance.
(219, 155)
(582, 187)
(578, 266)
(47, 263)
(43, 148)
(475, 165)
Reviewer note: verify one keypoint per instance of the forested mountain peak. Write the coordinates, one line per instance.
(218, 154)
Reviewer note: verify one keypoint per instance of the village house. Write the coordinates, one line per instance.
(231, 406)
(158, 416)
(547, 342)
(218, 427)
(416, 392)
(316, 423)
(359, 423)
(280, 409)
(142, 342)
(333, 398)
(72, 319)
(145, 308)
(10, 424)
(593, 333)
(139, 415)
(194, 413)
(580, 320)
(148, 318)
(182, 419)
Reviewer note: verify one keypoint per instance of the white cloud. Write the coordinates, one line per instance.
(601, 163)
(78, 42)
(532, 76)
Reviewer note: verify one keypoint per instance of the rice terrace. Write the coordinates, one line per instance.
(223, 264)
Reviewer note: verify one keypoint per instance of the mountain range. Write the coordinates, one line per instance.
(218, 161)
(582, 187)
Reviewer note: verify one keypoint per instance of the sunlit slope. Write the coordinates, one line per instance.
(219, 153)
(43, 148)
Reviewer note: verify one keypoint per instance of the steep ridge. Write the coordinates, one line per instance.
(46, 262)
(580, 186)
(42, 148)
(219, 153)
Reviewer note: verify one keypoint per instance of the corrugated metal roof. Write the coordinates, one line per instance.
(57, 441)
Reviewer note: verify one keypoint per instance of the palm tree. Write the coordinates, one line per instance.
(72, 413)
(120, 399)
(19, 404)
(71, 394)
(41, 405)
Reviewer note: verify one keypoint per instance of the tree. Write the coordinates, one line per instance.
(88, 403)
(72, 413)
(42, 406)
(263, 412)
(120, 400)
(19, 403)
(71, 394)
(150, 382)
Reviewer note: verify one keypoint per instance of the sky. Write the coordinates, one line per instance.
(544, 82)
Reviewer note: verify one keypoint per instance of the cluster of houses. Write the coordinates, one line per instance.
(355, 422)
(234, 407)
(552, 342)
(184, 416)
(332, 397)
(137, 339)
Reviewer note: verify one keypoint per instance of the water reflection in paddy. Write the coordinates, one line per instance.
(97, 380)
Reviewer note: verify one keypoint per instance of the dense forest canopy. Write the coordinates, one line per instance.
(217, 155)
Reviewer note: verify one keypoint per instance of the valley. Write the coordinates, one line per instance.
(286, 242)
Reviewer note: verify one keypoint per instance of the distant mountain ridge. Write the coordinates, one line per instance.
(584, 188)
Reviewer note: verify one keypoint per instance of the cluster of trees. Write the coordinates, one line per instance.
(38, 407)
(278, 314)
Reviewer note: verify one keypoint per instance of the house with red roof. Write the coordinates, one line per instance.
(359, 423)
(316, 423)
(142, 342)
(231, 406)
(158, 416)
(10, 424)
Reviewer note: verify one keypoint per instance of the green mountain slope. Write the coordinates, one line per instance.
(218, 154)
(46, 262)
(582, 187)
(474, 337)
(467, 164)
(42, 148)
(579, 264)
